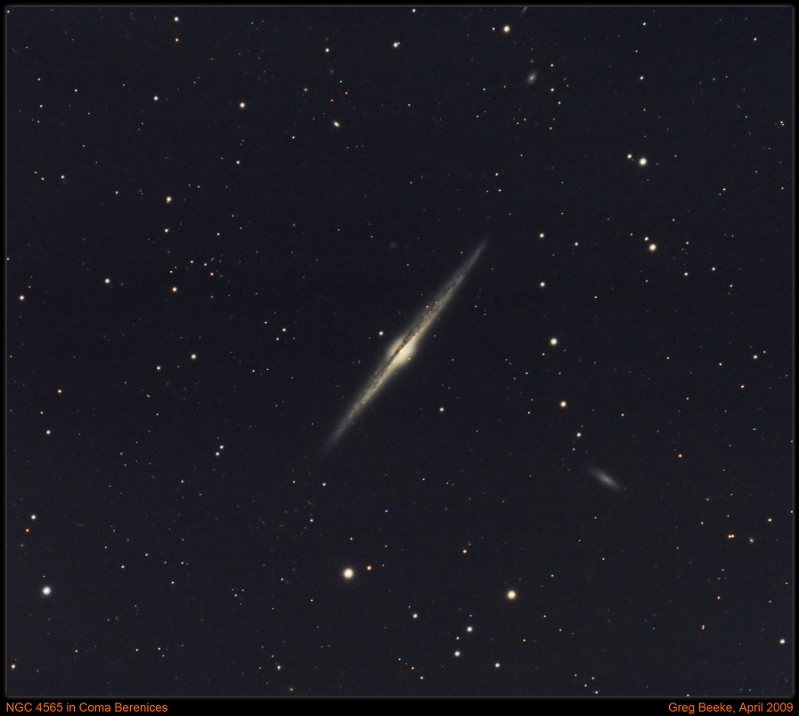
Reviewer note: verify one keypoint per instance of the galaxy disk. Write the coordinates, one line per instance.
(402, 350)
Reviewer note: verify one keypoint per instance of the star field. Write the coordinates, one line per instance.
(218, 221)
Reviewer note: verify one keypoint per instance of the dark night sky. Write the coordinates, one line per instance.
(219, 219)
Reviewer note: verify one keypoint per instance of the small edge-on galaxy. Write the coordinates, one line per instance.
(404, 347)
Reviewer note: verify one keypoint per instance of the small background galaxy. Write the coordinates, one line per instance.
(219, 218)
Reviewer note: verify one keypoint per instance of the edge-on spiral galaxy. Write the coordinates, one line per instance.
(405, 346)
